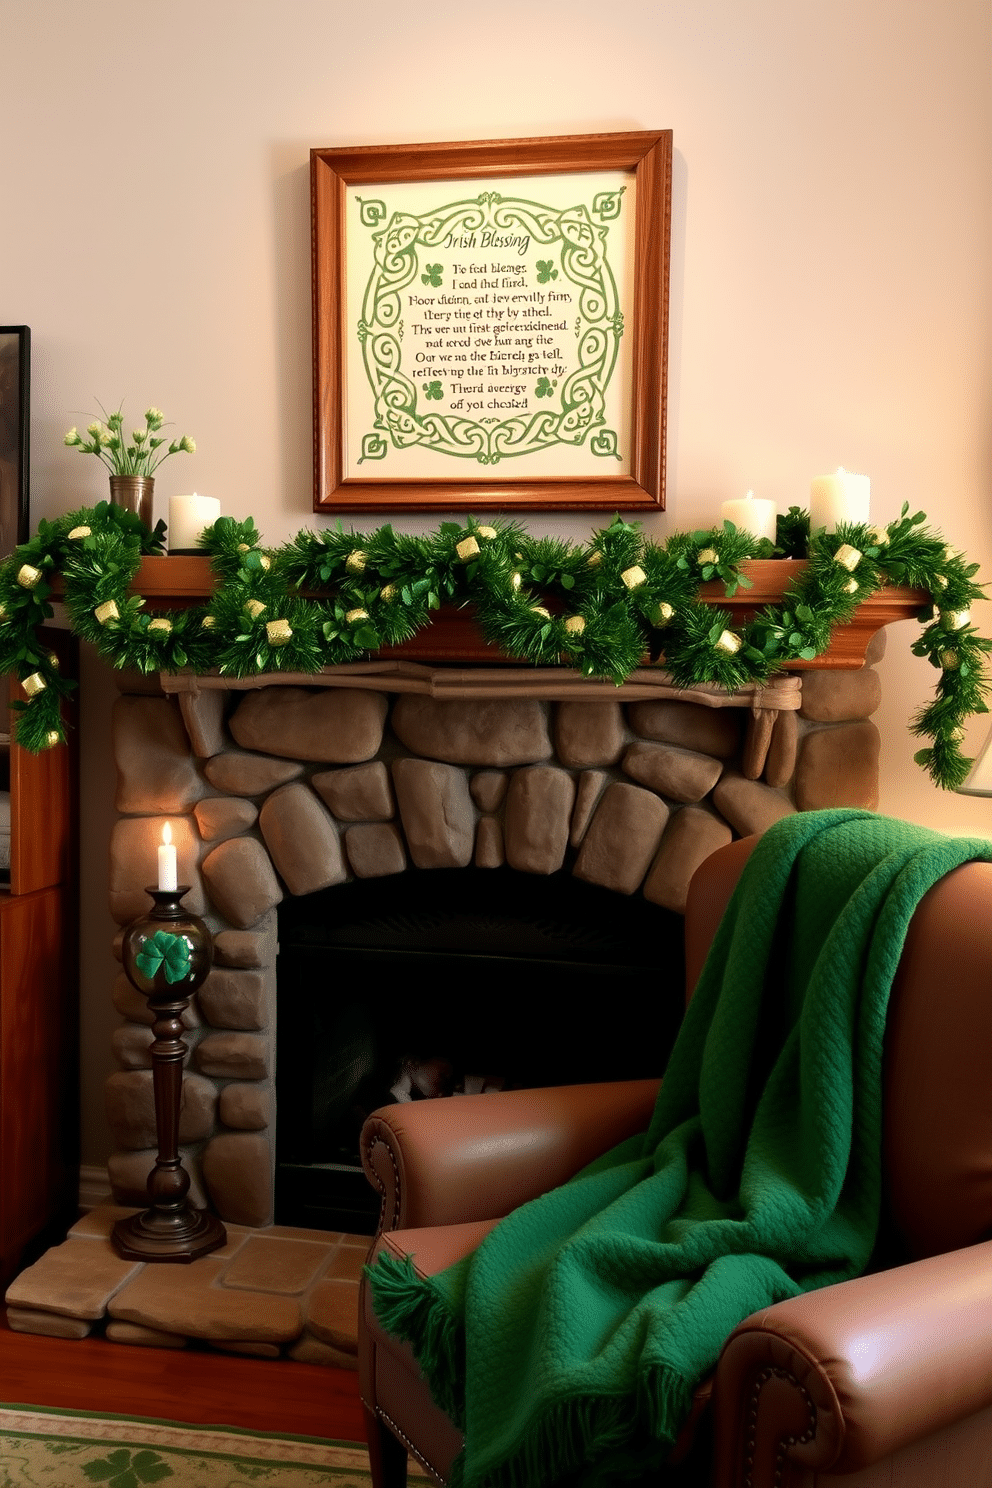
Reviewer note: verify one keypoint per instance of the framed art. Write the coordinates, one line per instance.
(490, 324)
(15, 398)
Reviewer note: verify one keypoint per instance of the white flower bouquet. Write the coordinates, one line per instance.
(142, 456)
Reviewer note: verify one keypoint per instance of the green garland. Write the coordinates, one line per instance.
(333, 596)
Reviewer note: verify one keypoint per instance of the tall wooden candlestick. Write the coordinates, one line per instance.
(167, 955)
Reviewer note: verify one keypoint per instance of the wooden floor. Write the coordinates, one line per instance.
(201, 1387)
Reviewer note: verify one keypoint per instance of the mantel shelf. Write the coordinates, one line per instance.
(181, 581)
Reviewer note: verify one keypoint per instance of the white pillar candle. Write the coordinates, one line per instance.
(756, 517)
(188, 515)
(842, 497)
(167, 875)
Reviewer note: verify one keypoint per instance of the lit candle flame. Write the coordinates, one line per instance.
(167, 834)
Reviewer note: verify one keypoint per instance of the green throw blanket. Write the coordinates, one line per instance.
(568, 1345)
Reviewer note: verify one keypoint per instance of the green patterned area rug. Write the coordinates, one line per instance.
(45, 1448)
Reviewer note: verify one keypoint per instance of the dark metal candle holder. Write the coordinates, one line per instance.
(167, 954)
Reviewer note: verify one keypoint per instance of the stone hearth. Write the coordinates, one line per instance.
(270, 1293)
(359, 772)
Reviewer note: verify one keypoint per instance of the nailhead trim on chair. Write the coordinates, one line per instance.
(787, 1441)
(401, 1435)
(392, 1225)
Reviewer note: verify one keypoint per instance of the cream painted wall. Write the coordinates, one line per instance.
(831, 250)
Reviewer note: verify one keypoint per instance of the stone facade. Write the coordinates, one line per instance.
(281, 790)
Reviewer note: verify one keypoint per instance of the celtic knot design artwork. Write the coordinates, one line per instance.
(491, 326)
(491, 323)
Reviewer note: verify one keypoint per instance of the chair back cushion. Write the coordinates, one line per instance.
(938, 1052)
(938, 1069)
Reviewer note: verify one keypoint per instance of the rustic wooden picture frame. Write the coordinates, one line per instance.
(338, 486)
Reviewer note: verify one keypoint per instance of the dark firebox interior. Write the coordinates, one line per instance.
(451, 981)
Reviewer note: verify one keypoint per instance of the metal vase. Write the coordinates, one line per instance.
(134, 493)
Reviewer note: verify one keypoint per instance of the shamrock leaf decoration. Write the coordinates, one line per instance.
(432, 275)
(546, 270)
(123, 1469)
(164, 949)
(544, 388)
(434, 390)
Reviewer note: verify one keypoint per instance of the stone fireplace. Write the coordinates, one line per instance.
(286, 786)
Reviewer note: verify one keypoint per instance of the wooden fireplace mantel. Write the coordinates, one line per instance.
(179, 582)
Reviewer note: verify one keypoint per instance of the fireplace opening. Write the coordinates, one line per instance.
(451, 982)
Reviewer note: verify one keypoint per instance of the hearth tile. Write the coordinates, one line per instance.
(246, 1348)
(236, 1237)
(284, 1266)
(296, 1232)
(332, 1314)
(311, 1350)
(145, 1337)
(189, 1300)
(99, 1221)
(348, 1262)
(77, 1279)
(47, 1324)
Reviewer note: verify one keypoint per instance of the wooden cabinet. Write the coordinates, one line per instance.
(39, 1062)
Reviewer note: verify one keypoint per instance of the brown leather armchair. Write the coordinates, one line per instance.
(883, 1380)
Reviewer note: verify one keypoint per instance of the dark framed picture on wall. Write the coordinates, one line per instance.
(491, 324)
(15, 409)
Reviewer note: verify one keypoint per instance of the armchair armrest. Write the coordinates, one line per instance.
(475, 1157)
(837, 1379)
